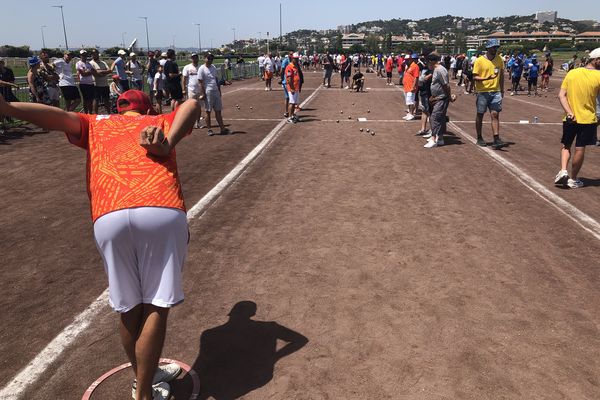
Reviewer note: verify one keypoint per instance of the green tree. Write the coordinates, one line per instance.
(12, 51)
(372, 43)
(387, 43)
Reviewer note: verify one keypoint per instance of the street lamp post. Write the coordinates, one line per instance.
(147, 36)
(259, 40)
(123, 39)
(199, 38)
(63, 22)
(43, 40)
(233, 29)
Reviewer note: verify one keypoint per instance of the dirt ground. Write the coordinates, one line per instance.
(391, 271)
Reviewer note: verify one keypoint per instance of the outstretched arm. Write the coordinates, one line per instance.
(46, 117)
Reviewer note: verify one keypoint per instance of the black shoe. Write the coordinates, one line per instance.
(481, 142)
(498, 144)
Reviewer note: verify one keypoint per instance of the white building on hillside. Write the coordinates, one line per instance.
(350, 39)
(546, 16)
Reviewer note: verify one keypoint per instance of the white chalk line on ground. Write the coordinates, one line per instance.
(36, 367)
(582, 219)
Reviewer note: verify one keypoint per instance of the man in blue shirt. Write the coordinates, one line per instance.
(516, 72)
(534, 72)
(119, 66)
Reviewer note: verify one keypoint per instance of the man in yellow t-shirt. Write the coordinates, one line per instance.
(578, 94)
(488, 74)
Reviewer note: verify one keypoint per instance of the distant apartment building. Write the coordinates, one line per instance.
(514, 37)
(344, 28)
(474, 42)
(587, 37)
(350, 39)
(546, 16)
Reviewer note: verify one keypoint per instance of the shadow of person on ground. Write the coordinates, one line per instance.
(240, 355)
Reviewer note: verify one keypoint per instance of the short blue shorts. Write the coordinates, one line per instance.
(489, 101)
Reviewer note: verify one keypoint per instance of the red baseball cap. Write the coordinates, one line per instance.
(135, 100)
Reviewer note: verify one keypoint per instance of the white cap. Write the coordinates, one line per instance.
(121, 52)
(83, 51)
(295, 55)
(132, 54)
(163, 54)
(595, 53)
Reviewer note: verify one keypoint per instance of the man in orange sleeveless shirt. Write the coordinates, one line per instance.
(139, 215)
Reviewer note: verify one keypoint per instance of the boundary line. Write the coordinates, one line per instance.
(535, 104)
(582, 219)
(14, 389)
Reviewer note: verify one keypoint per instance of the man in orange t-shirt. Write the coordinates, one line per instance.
(140, 223)
(389, 67)
(293, 84)
(411, 76)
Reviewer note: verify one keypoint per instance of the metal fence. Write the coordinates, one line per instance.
(237, 72)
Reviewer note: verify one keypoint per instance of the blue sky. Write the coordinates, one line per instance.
(173, 21)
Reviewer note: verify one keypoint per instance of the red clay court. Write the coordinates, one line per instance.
(450, 273)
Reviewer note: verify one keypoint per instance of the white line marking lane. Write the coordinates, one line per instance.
(579, 217)
(14, 389)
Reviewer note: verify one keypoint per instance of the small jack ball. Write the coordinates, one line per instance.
(361, 129)
(341, 111)
(338, 121)
(349, 117)
(372, 133)
(368, 130)
(368, 111)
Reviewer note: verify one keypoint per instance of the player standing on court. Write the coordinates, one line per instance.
(140, 223)
(488, 74)
(577, 95)
(292, 80)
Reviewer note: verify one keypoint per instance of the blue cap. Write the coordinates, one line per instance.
(33, 61)
(492, 43)
(533, 57)
(414, 55)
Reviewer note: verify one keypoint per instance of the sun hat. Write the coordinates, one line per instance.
(492, 43)
(595, 53)
(163, 54)
(132, 54)
(135, 100)
(194, 55)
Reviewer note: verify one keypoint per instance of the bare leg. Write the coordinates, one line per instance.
(565, 156)
(208, 121)
(220, 120)
(148, 348)
(495, 122)
(129, 329)
(577, 161)
(479, 125)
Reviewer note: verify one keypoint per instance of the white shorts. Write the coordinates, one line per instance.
(294, 98)
(212, 101)
(192, 94)
(144, 251)
(53, 93)
(410, 98)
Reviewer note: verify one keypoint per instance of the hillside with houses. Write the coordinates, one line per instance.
(451, 33)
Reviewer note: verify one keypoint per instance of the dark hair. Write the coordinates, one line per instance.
(170, 53)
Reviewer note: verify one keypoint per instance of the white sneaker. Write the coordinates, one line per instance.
(166, 373)
(160, 391)
(409, 117)
(430, 144)
(574, 183)
(266, 89)
(562, 178)
(427, 135)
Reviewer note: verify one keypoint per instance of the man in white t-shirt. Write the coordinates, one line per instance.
(269, 67)
(66, 82)
(261, 66)
(101, 90)
(211, 93)
(189, 80)
(85, 73)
